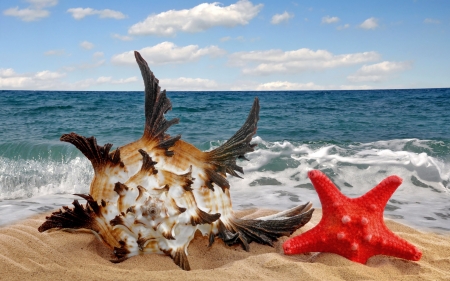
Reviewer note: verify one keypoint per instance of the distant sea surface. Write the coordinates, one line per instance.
(356, 137)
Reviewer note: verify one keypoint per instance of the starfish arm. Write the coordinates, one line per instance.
(325, 188)
(396, 246)
(381, 193)
(307, 242)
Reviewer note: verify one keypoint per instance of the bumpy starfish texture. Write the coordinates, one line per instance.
(352, 227)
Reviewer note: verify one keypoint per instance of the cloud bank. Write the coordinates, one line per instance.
(168, 52)
(279, 61)
(34, 12)
(379, 72)
(197, 19)
(80, 13)
(279, 18)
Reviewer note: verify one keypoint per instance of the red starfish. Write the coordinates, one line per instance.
(352, 227)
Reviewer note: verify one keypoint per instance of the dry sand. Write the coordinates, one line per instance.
(26, 254)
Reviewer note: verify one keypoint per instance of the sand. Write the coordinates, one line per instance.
(26, 254)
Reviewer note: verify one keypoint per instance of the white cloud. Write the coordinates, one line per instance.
(8, 72)
(34, 12)
(284, 85)
(42, 3)
(292, 86)
(55, 52)
(48, 75)
(379, 71)
(279, 18)
(278, 61)
(431, 21)
(370, 23)
(196, 19)
(329, 19)
(122, 37)
(80, 13)
(98, 55)
(238, 38)
(86, 45)
(341, 27)
(39, 80)
(188, 84)
(48, 80)
(167, 52)
(288, 86)
(27, 14)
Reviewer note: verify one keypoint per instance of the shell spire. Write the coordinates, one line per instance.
(152, 195)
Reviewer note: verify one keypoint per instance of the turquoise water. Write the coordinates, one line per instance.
(356, 137)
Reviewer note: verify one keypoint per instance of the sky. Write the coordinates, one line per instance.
(235, 45)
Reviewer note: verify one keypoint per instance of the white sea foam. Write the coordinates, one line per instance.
(275, 177)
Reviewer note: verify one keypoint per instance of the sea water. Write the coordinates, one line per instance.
(357, 138)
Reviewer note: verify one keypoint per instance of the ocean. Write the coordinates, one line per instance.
(355, 137)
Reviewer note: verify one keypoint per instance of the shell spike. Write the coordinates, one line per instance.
(264, 231)
(78, 217)
(179, 258)
(147, 162)
(223, 158)
(98, 155)
(156, 105)
(202, 217)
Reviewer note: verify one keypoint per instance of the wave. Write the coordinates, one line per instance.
(28, 169)
(275, 177)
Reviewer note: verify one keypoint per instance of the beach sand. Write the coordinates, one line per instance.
(26, 254)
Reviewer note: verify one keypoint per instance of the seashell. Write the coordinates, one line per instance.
(152, 195)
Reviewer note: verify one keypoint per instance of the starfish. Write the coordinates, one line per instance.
(352, 227)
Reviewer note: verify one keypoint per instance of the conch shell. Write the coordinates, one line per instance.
(152, 195)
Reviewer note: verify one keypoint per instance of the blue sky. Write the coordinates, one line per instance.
(231, 45)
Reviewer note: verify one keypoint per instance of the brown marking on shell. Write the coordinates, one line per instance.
(148, 165)
(151, 246)
(186, 155)
(174, 205)
(91, 203)
(130, 153)
(168, 234)
(141, 241)
(172, 179)
(142, 190)
(117, 220)
(161, 190)
(121, 252)
(137, 222)
(202, 217)
(131, 209)
(120, 188)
